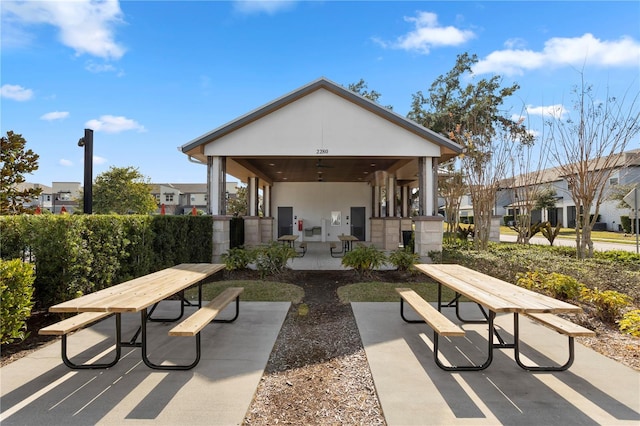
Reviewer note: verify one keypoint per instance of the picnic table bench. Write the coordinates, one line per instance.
(142, 295)
(492, 296)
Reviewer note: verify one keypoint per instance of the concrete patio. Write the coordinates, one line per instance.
(39, 389)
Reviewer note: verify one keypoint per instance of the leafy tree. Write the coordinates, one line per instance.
(361, 88)
(470, 115)
(16, 162)
(451, 187)
(546, 199)
(588, 149)
(122, 190)
(237, 206)
(618, 192)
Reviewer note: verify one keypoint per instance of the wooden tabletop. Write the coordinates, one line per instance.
(495, 294)
(142, 292)
(288, 238)
(347, 238)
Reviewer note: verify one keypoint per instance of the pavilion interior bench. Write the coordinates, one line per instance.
(333, 249)
(193, 325)
(65, 327)
(441, 325)
(303, 247)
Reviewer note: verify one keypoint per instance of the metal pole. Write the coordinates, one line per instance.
(637, 219)
(87, 143)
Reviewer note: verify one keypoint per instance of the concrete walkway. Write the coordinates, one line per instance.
(414, 391)
(40, 390)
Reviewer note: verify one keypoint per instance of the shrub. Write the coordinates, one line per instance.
(630, 323)
(237, 258)
(549, 232)
(16, 290)
(563, 286)
(363, 259)
(609, 304)
(556, 285)
(403, 259)
(272, 259)
(531, 280)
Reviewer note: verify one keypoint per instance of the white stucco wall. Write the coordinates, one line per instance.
(322, 123)
(314, 202)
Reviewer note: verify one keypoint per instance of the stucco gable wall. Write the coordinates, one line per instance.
(322, 121)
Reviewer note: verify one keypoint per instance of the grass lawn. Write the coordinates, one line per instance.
(570, 233)
(267, 291)
(255, 291)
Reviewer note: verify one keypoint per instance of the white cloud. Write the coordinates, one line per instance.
(87, 26)
(99, 160)
(113, 124)
(54, 115)
(561, 52)
(553, 111)
(98, 68)
(427, 34)
(15, 92)
(65, 163)
(270, 7)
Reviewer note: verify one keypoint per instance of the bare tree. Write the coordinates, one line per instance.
(451, 187)
(588, 149)
(528, 162)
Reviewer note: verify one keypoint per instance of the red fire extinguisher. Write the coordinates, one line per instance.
(299, 224)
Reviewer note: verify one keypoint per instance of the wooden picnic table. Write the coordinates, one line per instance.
(347, 242)
(290, 239)
(497, 296)
(142, 295)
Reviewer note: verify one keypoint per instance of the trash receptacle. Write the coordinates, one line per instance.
(407, 240)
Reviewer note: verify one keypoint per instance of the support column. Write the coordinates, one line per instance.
(252, 233)
(425, 199)
(391, 196)
(252, 196)
(428, 235)
(216, 185)
(375, 208)
(405, 201)
(216, 206)
(266, 200)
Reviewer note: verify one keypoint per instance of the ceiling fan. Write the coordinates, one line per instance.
(320, 165)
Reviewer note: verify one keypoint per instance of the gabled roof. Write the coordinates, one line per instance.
(195, 145)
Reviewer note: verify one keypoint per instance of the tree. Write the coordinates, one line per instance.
(237, 206)
(589, 148)
(451, 187)
(361, 88)
(123, 190)
(16, 162)
(470, 115)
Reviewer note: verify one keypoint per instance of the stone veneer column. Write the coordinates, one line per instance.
(377, 231)
(428, 236)
(252, 234)
(494, 232)
(266, 229)
(221, 242)
(391, 233)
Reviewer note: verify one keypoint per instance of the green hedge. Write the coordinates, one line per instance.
(78, 254)
(16, 289)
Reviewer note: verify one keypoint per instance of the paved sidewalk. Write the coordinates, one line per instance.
(414, 391)
(40, 390)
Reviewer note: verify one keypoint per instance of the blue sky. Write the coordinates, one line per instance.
(149, 76)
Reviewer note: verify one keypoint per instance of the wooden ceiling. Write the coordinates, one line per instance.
(322, 168)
